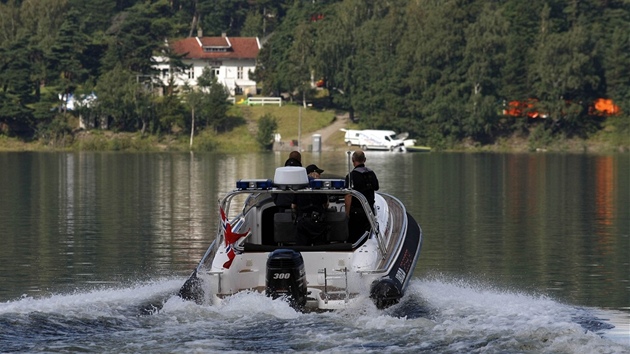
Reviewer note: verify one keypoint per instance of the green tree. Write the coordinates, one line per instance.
(9, 22)
(275, 66)
(223, 16)
(116, 101)
(272, 13)
(234, 16)
(338, 55)
(37, 32)
(484, 58)
(144, 106)
(97, 13)
(135, 35)
(564, 76)
(42, 27)
(379, 98)
(520, 47)
(67, 56)
(616, 62)
(194, 100)
(300, 63)
(207, 104)
(434, 50)
(214, 102)
(16, 90)
(253, 25)
(267, 127)
(171, 111)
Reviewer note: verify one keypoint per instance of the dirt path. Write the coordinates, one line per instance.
(331, 140)
(328, 133)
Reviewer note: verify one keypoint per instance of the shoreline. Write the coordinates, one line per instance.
(169, 144)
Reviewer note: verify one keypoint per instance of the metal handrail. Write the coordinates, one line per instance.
(404, 224)
(375, 229)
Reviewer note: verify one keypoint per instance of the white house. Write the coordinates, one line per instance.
(230, 59)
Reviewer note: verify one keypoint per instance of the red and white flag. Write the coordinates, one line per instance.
(230, 238)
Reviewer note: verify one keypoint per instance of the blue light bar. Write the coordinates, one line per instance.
(327, 183)
(253, 184)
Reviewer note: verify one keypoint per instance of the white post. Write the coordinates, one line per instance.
(192, 128)
(300, 130)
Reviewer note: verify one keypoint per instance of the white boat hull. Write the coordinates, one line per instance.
(326, 276)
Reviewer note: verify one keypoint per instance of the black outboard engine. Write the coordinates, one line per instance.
(192, 289)
(286, 276)
(385, 293)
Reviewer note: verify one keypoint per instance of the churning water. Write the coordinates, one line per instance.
(438, 315)
(522, 253)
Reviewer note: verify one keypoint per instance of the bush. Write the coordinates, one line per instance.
(204, 142)
(541, 137)
(617, 129)
(96, 141)
(57, 133)
(267, 126)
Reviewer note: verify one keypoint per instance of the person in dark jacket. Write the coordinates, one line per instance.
(310, 211)
(363, 180)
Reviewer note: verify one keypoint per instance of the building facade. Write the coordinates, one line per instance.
(230, 59)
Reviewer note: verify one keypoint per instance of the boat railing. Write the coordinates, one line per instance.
(209, 255)
(398, 223)
(374, 226)
(257, 197)
(361, 239)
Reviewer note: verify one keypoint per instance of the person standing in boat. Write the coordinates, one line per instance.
(310, 210)
(283, 201)
(363, 180)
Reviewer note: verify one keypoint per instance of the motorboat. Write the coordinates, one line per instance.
(258, 247)
(417, 148)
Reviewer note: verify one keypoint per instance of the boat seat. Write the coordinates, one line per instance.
(337, 226)
(284, 230)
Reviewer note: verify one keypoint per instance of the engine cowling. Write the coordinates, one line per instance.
(192, 289)
(286, 277)
(385, 293)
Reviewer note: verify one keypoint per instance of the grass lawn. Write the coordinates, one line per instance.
(243, 138)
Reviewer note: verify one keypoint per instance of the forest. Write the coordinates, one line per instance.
(443, 70)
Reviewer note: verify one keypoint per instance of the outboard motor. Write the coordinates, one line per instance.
(385, 293)
(192, 289)
(286, 276)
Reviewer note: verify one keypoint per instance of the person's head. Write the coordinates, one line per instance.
(295, 159)
(292, 162)
(296, 155)
(314, 171)
(358, 157)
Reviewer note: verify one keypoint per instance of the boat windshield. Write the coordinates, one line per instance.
(255, 199)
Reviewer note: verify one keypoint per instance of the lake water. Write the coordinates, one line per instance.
(523, 253)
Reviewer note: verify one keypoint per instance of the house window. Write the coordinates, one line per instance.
(214, 49)
(191, 73)
(215, 72)
(239, 72)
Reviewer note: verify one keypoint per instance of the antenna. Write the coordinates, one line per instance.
(350, 167)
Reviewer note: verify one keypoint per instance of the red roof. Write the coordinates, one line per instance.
(236, 47)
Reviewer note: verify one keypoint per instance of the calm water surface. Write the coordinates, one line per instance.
(522, 253)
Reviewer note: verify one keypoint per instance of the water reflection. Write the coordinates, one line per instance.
(542, 223)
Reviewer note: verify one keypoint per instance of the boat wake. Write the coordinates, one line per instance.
(482, 316)
(112, 301)
(436, 315)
